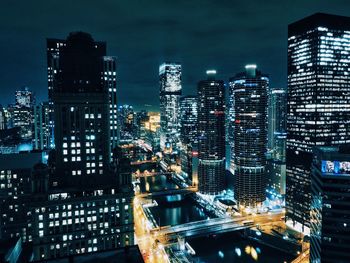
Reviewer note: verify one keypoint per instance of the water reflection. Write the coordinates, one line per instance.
(177, 209)
(232, 247)
(156, 183)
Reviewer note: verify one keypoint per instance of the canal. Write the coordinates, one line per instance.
(229, 247)
(232, 247)
(176, 209)
(156, 183)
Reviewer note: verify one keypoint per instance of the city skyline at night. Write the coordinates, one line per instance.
(189, 131)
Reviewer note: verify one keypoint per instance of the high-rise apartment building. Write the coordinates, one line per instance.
(318, 100)
(170, 93)
(250, 90)
(211, 135)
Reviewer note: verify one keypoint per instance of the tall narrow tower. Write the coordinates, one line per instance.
(110, 82)
(250, 133)
(170, 93)
(211, 135)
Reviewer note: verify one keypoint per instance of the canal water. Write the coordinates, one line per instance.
(156, 183)
(228, 247)
(231, 247)
(176, 209)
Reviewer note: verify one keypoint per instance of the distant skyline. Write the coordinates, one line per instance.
(224, 35)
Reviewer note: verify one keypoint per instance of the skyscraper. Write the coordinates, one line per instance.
(170, 93)
(81, 202)
(250, 134)
(53, 47)
(188, 119)
(330, 223)
(41, 138)
(2, 118)
(126, 123)
(23, 112)
(211, 135)
(277, 140)
(189, 137)
(81, 110)
(318, 100)
(110, 81)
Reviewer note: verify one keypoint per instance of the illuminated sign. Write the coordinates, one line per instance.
(335, 167)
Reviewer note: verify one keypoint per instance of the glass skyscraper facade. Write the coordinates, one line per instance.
(330, 205)
(318, 100)
(23, 113)
(250, 90)
(188, 119)
(41, 138)
(189, 132)
(170, 93)
(276, 163)
(211, 135)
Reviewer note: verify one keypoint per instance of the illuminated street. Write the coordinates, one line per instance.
(160, 244)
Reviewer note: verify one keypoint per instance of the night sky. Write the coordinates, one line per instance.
(200, 34)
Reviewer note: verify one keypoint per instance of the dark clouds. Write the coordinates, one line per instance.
(201, 34)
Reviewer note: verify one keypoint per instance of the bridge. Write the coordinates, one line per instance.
(143, 162)
(215, 226)
(150, 174)
(181, 191)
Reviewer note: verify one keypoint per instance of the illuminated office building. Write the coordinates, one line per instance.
(110, 81)
(230, 120)
(2, 118)
(81, 109)
(41, 137)
(24, 98)
(81, 202)
(53, 47)
(188, 119)
(127, 123)
(150, 125)
(318, 100)
(277, 138)
(250, 134)
(211, 135)
(330, 204)
(170, 93)
(15, 193)
(189, 137)
(23, 112)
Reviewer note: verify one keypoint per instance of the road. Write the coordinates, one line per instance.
(216, 225)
